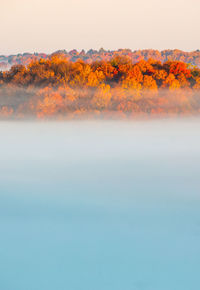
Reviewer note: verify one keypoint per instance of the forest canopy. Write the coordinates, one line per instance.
(92, 55)
(57, 87)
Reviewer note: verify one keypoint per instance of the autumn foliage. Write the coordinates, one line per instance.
(192, 57)
(60, 88)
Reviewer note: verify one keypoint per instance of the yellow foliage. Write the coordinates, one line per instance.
(102, 97)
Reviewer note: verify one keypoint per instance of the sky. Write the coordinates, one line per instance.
(49, 25)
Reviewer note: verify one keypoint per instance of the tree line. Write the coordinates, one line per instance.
(192, 57)
(59, 87)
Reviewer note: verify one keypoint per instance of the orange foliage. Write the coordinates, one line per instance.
(57, 86)
(6, 112)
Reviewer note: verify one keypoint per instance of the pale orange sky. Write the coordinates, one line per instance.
(49, 25)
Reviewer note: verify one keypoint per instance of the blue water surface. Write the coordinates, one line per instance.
(100, 205)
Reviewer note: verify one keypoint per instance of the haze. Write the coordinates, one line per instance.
(100, 205)
(30, 26)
